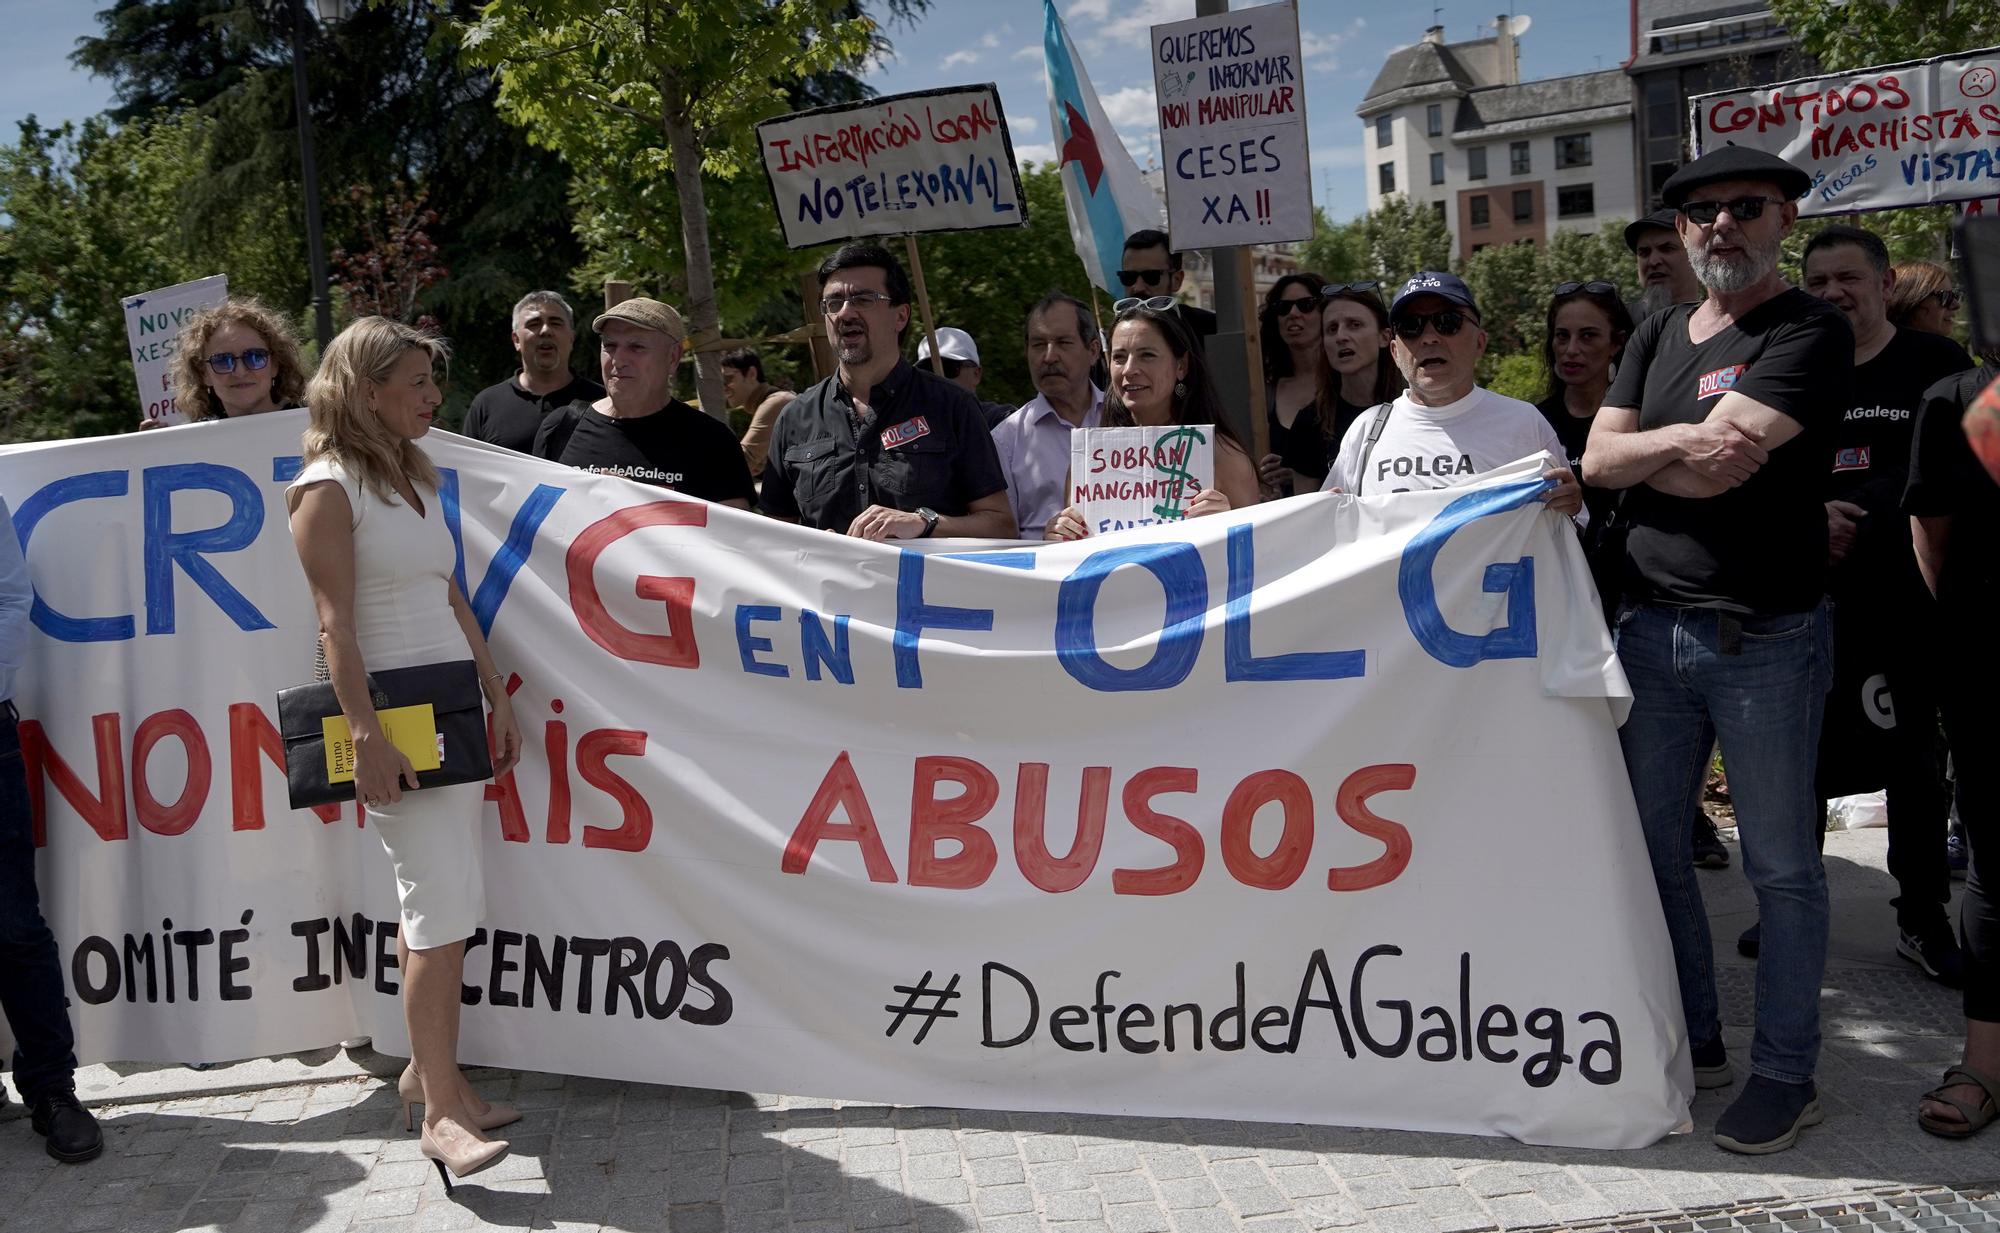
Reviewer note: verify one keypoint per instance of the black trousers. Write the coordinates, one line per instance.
(1971, 698)
(31, 979)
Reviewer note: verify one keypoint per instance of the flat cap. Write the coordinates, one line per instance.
(647, 315)
(1735, 163)
(1658, 220)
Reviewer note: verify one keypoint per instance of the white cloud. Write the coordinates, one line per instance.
(1022, 124)
(956, 58)
(1130, 107)
(1321, 50)
(1040, 152)
(1032, 51)
(990, 39)
(1133, 22)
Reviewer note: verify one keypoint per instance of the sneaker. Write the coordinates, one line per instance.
(1956, 856)
(72, 1133)
(1709, 850)
(1936, 952)
(1750, 941)
(1767, 1117)
(1711, 1065)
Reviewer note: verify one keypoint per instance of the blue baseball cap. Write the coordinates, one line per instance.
(1434, 282)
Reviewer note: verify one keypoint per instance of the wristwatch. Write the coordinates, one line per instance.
(930, 517)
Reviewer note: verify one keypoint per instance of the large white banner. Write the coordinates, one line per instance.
(1245, 817)
(1910, 134)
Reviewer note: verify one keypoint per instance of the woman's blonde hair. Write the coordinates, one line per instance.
(344, 427)
(192, 395)
(1916, 281)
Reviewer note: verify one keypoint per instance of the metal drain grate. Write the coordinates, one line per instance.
(1942, 1210)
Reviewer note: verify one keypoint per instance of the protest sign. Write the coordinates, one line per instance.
(1916, 133)
(934, 160)
(1135, 477)
(153, 322)
(1231, 94)
(1243, 817)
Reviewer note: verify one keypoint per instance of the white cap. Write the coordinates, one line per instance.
(952, 345)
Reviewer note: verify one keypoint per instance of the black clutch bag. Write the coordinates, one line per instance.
(457, 713)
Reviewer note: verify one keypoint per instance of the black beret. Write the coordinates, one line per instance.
(1735, 163)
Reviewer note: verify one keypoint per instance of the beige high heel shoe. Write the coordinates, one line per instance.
(411, 1089)
(461, 1155)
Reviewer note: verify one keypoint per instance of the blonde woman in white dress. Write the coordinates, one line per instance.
(379, 559)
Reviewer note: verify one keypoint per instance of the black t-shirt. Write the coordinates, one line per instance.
(1759, 548)
(1302, 447)
(923, 444)
(1947, 481)
(505, 414)
(676, 447)
(1574, 433)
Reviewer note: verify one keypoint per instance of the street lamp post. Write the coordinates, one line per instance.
(329, 11)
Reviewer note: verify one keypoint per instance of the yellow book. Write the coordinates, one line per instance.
(412, 729)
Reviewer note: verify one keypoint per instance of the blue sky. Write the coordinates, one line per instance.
(966, 41)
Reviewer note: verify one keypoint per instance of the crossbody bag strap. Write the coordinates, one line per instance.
(1368, 444)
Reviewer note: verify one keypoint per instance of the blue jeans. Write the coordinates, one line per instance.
(1761, 688)
(31, 979)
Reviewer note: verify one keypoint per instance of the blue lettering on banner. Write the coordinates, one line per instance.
(815, 649)
(974, 181)
(1179, 569)
(1240, 663)
(166, 548)
(913, 616)
(84, 487)
(508, 558)
(748, 644)
(1516, 580)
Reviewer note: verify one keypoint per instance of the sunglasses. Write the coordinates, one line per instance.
(1947, 298)
(1333, 289)
(1743, 209)
(1410, 326)
(1158, 303)
(1286, 308)
(1594, 287)
(1149, 277)
(224, 362)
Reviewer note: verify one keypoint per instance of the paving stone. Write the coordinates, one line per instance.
(1081, 1205)
(1137, 1218)
(1188, 1193)
(1003, 1200)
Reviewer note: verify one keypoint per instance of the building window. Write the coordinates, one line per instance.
(1439, 207)
(1571, 202)
(1385, 177)
(1382, 133)
(1517, 158)
(1524, 205)
(1437, 168)
(1475, 163)
(1434, 119)
(1482, 211)
(1573, 151)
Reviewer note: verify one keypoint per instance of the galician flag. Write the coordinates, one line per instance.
(1107, 198)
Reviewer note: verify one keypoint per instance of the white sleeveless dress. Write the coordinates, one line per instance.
(403, 564)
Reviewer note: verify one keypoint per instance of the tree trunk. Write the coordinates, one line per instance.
(703, 321)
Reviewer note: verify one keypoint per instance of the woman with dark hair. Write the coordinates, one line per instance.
(1158, 378)
(1356, 371)
(1583, 337)
(1297, 461)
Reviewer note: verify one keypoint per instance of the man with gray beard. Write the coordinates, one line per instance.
(1719, 423)
(1665, 278)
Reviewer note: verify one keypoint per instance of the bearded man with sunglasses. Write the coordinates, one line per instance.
(1149, 266)
(1719, 423)
(1444, 429)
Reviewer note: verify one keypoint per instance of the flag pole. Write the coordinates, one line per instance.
(923, 300)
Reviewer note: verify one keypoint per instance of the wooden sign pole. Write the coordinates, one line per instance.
(822, 350)
(923, 301)
(1253, 354)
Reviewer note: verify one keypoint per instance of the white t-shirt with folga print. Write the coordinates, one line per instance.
(1435, 447)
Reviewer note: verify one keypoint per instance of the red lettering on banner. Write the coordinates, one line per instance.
(1288, 859)
(636, 830)
(1044, 870)
(955, 818)
(105, 812)
(1177, 832)
(840, 787)
(1351, 803)
(252, 733)
(176, 818)
(555, 747)
(674, 649)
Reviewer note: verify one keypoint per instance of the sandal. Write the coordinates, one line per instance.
(1977, 1117)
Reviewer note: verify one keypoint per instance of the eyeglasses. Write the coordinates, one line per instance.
(224, 362)
(1285, 308)
(1158, 303)
(863, 300)
(1743, 209)
(1410, 326)
(1594, 287)
(1150, 277)
(1333, 289)
(1947, 298)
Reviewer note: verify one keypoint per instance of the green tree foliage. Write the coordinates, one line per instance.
(87, 216)
(659, 90)
(1856, 34)
(1338, 250)
(1514, 283)
(1404, 237)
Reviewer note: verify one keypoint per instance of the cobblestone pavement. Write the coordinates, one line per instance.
(328, 1153)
